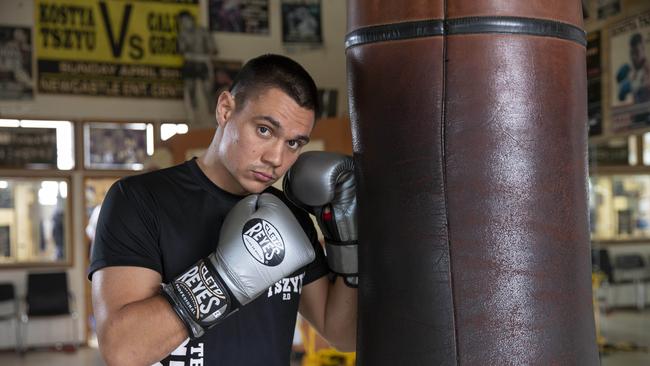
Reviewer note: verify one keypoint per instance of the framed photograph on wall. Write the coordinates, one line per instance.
(16, 71)
(117, 146)
(5, 241)
(301, 22)
(629, 84)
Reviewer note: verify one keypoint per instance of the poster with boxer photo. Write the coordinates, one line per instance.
(16, 76)
(630, 72)
(301, 22)
(239, 16)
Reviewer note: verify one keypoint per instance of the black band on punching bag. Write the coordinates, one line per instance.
(470, 25)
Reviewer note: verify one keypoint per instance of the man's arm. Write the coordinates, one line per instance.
(135, 325)
(331, 308)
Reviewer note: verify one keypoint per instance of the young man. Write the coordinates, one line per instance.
(161, 227)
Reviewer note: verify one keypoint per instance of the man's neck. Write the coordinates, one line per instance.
(213, 168)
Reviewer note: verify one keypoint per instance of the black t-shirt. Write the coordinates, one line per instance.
(167, 220)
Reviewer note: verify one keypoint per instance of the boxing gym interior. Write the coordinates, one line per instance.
(501, 150)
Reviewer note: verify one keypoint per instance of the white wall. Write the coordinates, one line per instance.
(326, 64)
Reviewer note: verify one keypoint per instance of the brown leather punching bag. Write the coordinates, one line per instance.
(469, 129)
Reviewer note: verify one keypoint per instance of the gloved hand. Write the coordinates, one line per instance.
(323, 184)
(260, 243)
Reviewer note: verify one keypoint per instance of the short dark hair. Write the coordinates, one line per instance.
(275, 71)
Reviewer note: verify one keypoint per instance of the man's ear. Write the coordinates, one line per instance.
(225, 108)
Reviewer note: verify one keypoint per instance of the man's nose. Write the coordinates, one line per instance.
(273, 154)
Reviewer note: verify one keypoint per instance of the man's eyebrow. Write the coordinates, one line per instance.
(270, 120)
(278, 125)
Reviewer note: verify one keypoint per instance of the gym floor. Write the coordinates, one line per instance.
(623, 328)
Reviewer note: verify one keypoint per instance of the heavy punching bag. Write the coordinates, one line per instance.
(469, 133)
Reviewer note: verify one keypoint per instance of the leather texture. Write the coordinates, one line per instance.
(405, 315)
(566, 11)
(472, 175)
(242, 272)
(517, 201)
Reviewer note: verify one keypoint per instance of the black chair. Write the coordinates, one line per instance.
(9, 309)
(48, 296)
(630, 268)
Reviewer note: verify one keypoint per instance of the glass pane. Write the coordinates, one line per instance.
(95, 191)
(619, 207)
(34, 221)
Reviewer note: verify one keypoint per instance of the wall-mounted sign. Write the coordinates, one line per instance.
(123, 48)
(27, 147)
(630, 73)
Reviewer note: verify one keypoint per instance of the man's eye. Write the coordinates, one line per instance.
(264, 131)
(294, 144)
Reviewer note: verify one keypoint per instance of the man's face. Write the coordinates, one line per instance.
(262, 140)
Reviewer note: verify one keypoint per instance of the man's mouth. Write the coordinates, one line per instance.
(263, 177)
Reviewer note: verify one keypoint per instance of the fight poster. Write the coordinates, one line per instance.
(239, 16)
(224, 74)
(630, 72)
(594, 100)
(16, 76)
(608, 8)
(120, 48)
(301, 22)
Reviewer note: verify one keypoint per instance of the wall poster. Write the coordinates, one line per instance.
(301, 21)
(16, 74)
(594, 100)
(120, 48)
(239, 16)
(608, 8)
(630, 73)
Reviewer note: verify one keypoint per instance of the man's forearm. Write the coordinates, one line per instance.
(141, 333)
(341, 316)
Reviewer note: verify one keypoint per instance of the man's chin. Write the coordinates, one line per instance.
(257, 187)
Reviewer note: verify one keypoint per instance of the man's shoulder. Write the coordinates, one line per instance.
(155, 178)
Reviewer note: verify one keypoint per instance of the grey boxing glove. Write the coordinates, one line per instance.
(323, 184)
(260, 243)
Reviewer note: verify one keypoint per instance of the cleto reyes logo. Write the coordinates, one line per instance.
(263, 242)
(202, 293)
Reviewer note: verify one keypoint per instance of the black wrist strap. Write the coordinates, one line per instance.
(180, 312)
(199, 297)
